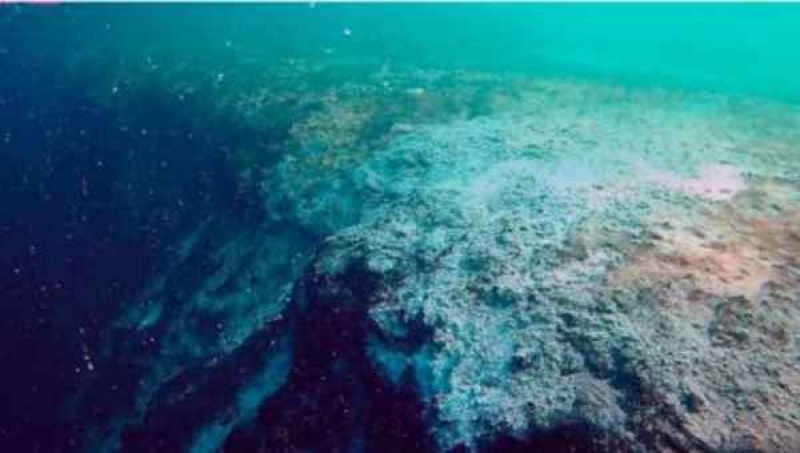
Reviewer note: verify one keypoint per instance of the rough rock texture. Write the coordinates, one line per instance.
(594, 268)
(567, 287)
(523, 344)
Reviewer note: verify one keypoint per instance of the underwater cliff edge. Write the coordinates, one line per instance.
(400, 228)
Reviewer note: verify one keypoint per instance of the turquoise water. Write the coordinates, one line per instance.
(400, 227)
(739, 47)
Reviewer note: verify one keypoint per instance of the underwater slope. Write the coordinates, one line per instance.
(306, 228)
(583, 267)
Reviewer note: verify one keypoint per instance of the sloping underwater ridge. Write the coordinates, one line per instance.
(584, 266)
(319, 229)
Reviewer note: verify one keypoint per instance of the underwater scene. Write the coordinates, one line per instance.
(400, 228)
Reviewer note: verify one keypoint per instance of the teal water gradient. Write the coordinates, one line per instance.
(743, 48)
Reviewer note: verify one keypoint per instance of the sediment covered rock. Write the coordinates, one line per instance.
(594, 269)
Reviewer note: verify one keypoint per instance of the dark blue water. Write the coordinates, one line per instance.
(89, 204)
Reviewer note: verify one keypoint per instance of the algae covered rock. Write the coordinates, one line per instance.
(568, 274)
(527, 298)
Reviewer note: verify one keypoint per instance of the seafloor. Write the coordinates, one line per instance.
(422, 260)
(462, 259)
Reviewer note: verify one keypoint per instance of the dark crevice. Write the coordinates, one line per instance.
(334, 400)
